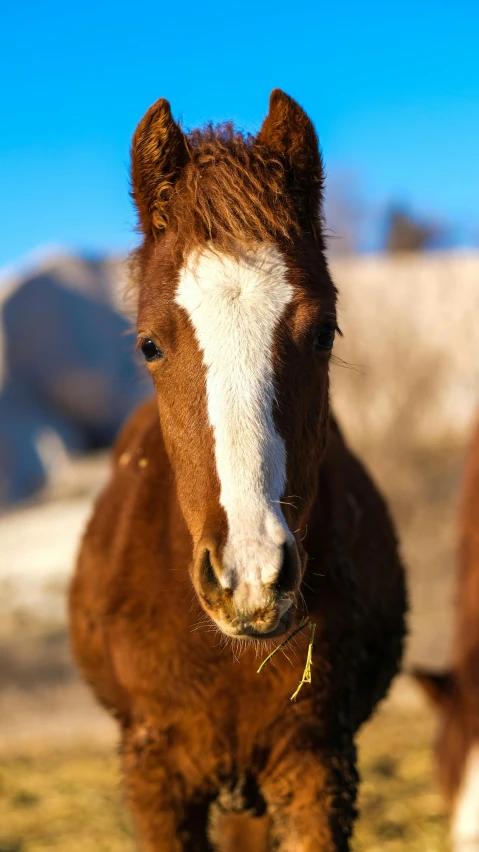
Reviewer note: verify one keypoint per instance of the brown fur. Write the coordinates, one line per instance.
(456, 692)
(202, 734)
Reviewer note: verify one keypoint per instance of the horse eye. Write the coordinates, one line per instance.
(150, 350)
(325, 337)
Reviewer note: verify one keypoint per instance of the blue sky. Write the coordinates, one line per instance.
(393, 89)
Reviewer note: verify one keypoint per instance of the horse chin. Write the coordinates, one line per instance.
(282, 627)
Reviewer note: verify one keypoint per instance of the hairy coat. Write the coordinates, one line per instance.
(456, 692)
(234, 508)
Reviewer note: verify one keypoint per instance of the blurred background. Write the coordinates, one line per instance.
(393, 90)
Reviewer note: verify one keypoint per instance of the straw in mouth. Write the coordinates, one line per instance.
(306, 678)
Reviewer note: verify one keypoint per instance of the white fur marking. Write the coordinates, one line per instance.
(465, 822)
(235, 306)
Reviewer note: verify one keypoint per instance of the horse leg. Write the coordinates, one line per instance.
(239, 832)
(311, 800)
(169, 815)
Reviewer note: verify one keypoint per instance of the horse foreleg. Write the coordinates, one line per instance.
(311, 800)
(168, 815)
(239, 832)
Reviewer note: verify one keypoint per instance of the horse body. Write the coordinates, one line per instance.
(234, 508)
(456, 692)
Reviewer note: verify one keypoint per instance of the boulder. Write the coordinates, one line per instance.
(69, 374)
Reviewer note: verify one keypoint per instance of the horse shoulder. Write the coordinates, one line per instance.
(126, 526)
(352, 525)
(359, 520)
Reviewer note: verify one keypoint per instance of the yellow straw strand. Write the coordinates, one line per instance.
(309, 662)
(303, 624)
(306, 678)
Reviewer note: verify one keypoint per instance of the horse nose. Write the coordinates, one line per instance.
(245, 606)
(208, 575)
(288, 578)
(211, 570)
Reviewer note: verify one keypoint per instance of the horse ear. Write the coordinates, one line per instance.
(436, 685)
(288, 133)
(158, 154)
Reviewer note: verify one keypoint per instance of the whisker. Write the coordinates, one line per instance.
(288, 659)
(357, 368)
(303, 601)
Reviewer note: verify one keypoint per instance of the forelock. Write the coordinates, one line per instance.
(233, 193)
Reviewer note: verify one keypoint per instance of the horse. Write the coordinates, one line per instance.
(455, 692)
(235, 510)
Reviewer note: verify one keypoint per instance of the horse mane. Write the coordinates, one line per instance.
(232, 193)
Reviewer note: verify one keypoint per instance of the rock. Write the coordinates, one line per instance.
(69, 376)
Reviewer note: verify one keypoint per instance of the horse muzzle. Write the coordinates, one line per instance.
(241, 602)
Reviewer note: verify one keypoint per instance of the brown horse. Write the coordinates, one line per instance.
(237, 510)
(456, 692)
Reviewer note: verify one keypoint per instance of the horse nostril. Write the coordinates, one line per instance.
(288, 574)
(208, 578)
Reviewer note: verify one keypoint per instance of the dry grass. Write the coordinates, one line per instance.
(69, 799)
(410, 330)
(401, 807)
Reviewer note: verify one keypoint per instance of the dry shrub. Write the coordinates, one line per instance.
(406, 403)
(411, 334)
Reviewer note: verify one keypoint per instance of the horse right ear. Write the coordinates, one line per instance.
(436, 685)
(158, 154)
(288, 133)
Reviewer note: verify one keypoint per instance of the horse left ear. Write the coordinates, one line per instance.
(288, 133)
(158, 154)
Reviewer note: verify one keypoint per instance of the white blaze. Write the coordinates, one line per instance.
(465, 822)
(235, 305)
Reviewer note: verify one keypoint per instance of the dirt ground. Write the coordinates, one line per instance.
(59, 777)
(60, 790)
